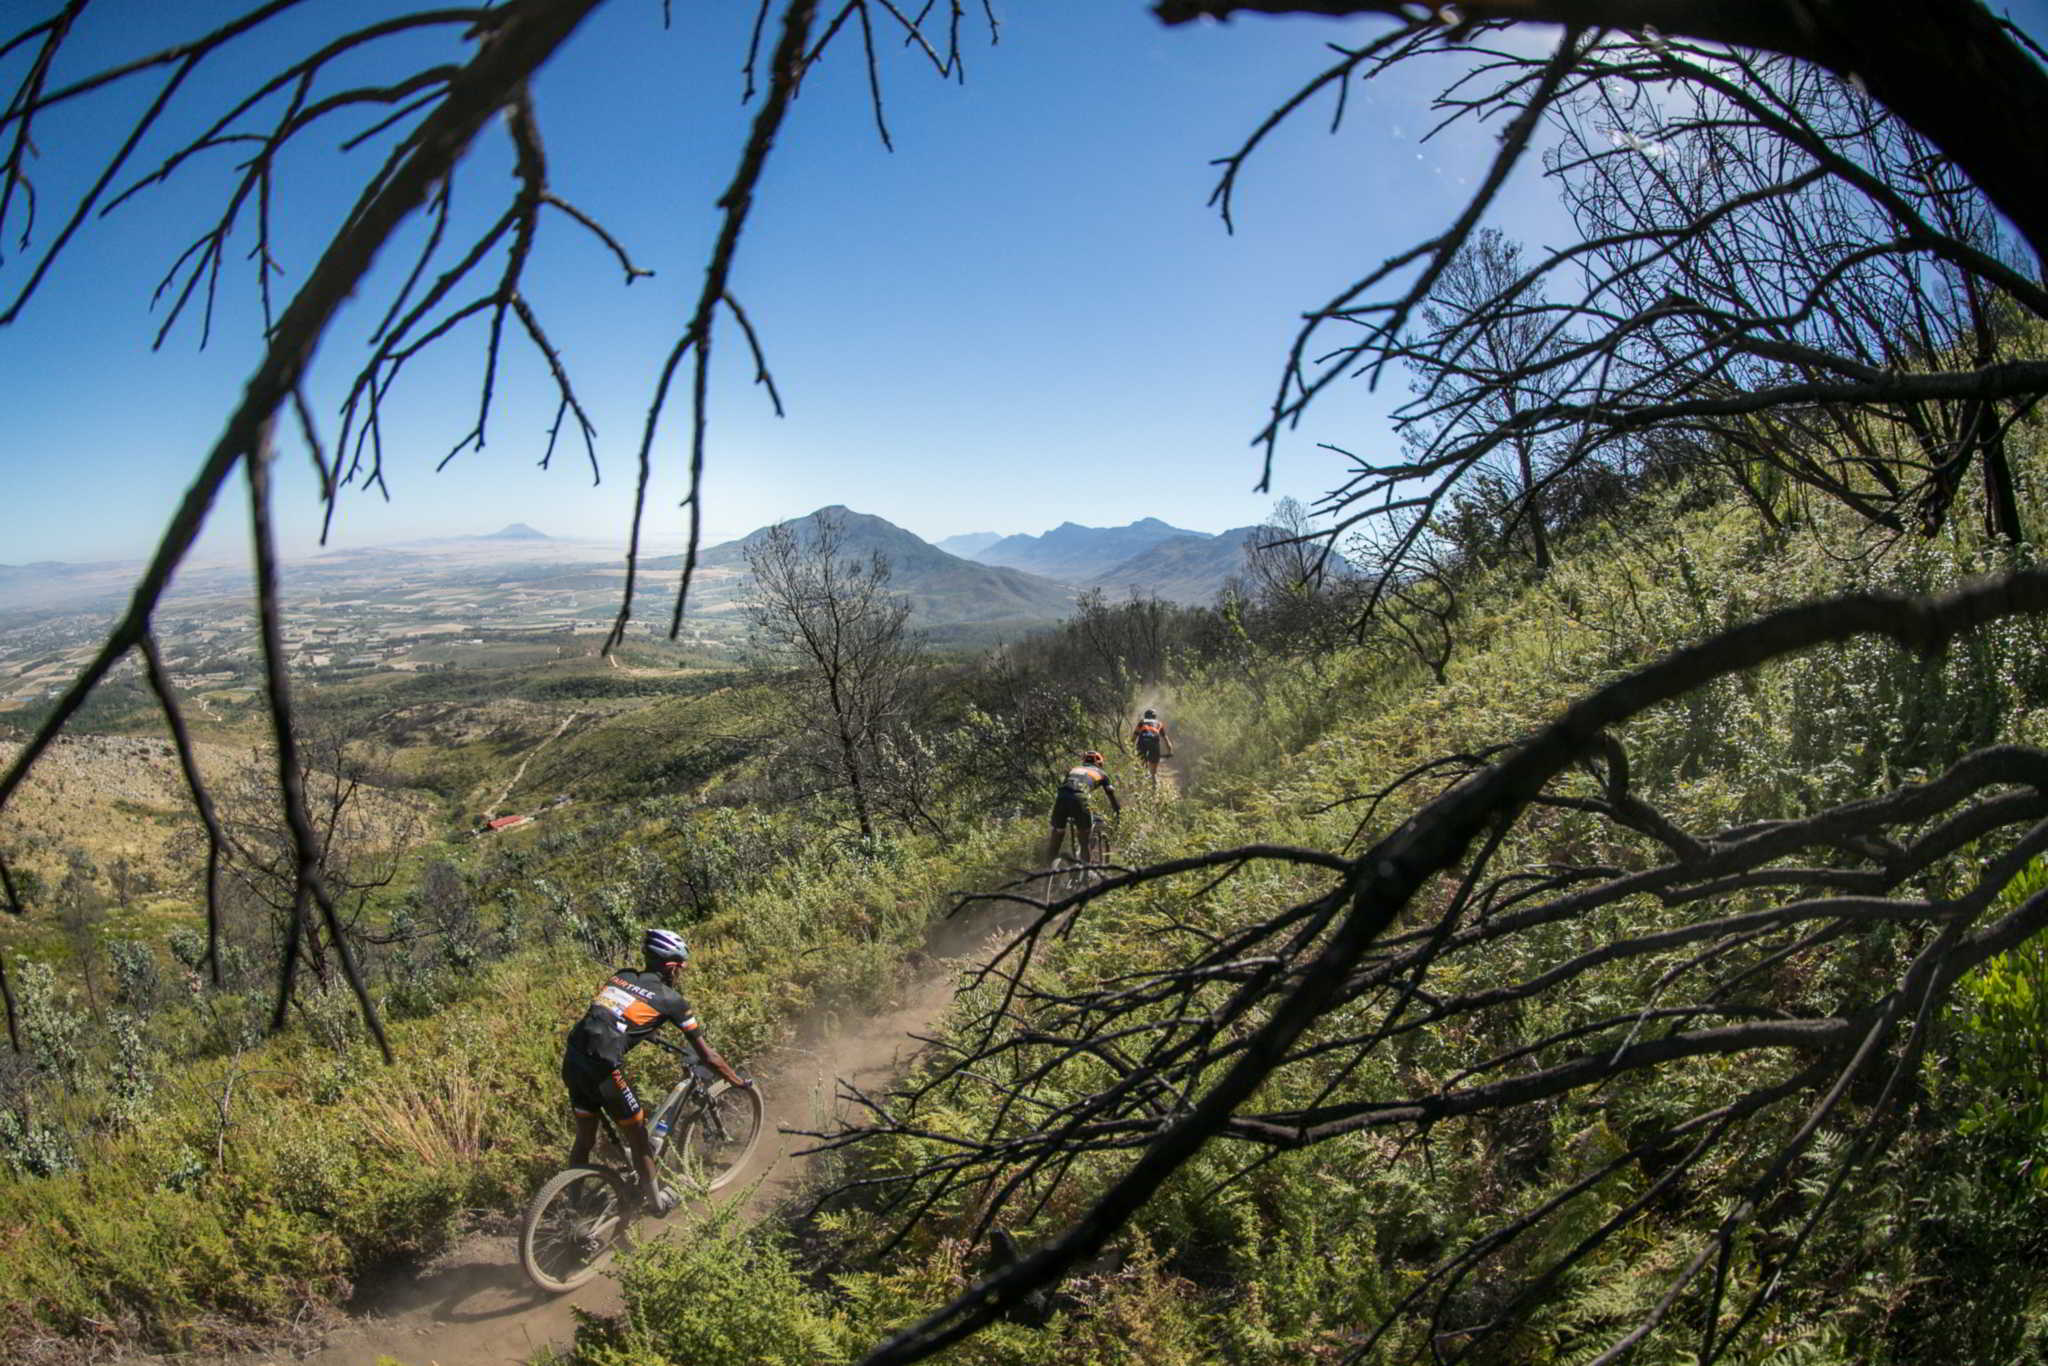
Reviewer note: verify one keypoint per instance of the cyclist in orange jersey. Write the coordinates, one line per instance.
(1149, 736)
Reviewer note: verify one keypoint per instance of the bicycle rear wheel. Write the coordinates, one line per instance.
(578, 1218)
(719, 1138)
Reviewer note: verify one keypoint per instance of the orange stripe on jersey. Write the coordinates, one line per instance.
(639, 1014)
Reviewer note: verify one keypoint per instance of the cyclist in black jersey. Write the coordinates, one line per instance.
(628, 1007)
(1070, 803)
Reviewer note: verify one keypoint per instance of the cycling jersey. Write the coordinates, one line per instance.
(626, 1009)
(1149, 736)
(1082, 780)
(1070, 803)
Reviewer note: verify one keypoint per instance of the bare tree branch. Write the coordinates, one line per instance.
(1299, 986)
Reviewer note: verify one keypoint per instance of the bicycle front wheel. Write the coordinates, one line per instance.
(577, 1220)
(719, 1138)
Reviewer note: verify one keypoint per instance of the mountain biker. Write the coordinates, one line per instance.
(629, 1007)
(1070, 804)
(1149, 735)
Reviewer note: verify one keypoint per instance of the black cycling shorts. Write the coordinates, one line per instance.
(595, 1085)
(1148, 747)
(1071, 808)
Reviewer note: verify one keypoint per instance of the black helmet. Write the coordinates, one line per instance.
(1150, 715)
(664, 946)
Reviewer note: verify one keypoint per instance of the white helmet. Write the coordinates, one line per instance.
(665, 946)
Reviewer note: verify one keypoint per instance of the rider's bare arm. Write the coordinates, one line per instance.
(695, 1034)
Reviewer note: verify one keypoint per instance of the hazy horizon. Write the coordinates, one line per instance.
(650, 545)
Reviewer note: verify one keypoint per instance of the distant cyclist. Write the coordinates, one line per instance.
(628, 1008)
(1149, 735)
(1070, 805)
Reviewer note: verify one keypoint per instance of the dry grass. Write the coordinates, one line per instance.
(437, 1117)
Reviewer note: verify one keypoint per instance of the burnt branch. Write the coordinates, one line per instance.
(309, 888)
(1776, 275)
(202, 800)
(520, 38)
(1163, 1062)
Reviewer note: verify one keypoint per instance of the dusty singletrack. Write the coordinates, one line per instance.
(473, 1306)
(504, 793)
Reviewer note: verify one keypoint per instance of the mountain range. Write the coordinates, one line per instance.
(981, 578)
(985, 577)
(1187, 569)
(1073, 553)
(969, 545)
(943, 589)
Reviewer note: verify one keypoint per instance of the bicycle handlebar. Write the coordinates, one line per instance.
(691, 1060)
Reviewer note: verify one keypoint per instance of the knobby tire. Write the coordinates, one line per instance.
(577, 1220)
(719, 1138)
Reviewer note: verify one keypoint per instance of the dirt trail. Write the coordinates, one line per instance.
(495, 807)
(473, 1306)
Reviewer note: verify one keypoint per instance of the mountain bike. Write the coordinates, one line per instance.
(1082, 868)
(703, 1133)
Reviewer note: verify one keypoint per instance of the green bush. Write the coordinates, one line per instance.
(716, 1294)
(2000, 1045)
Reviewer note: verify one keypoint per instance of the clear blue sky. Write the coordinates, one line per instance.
(1026, 314)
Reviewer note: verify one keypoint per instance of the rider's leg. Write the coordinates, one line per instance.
(586, 1135)
(635, 1134)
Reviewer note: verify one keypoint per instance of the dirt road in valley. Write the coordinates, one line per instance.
(474, 1307)
(494, 808)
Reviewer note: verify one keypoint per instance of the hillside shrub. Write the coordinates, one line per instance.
(2000, 1062)
(52, 1020)
(131, 1082)
(137, 982)
(718, 1293)
(29, 1147)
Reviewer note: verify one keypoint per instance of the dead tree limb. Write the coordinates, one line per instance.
(1168, 1099)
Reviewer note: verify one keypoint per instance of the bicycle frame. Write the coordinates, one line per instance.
(563, 1245)
(1081, 855)
(668, 1116)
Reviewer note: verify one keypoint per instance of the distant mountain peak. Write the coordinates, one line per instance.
(518, 531)
(942, 588)
(1072, 553)
(969, 544)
